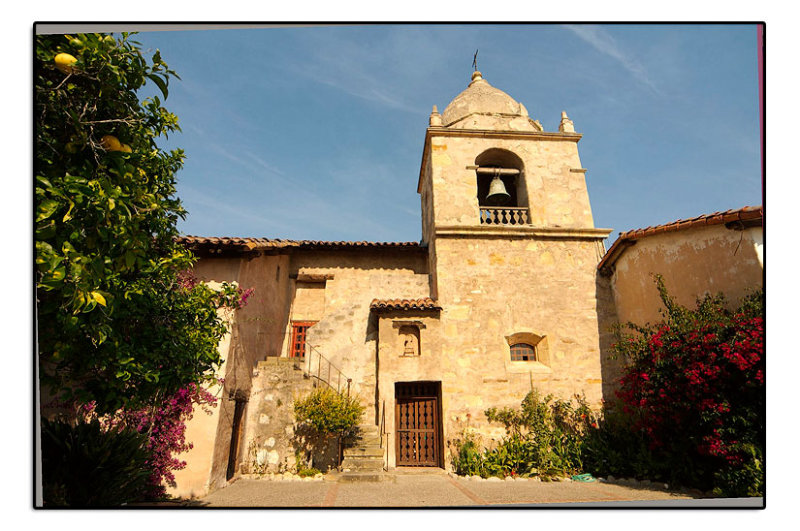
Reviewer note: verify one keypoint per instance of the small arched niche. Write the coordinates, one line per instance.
(509, 169)
(409, 340)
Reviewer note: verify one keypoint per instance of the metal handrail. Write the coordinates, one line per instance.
(318, 377)
(384, 438)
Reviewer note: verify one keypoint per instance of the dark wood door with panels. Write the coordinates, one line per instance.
(418, 425)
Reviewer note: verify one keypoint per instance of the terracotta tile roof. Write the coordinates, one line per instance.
(748, 214)
(250, 244)
(404, 304)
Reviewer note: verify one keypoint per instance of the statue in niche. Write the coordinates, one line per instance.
(410, 336)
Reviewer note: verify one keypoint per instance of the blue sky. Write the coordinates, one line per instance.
(317, 132)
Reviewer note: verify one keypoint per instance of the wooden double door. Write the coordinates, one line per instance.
(417, 424)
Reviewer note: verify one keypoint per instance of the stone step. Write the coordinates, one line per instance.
(364, 452)
(352, 469)
(352, 477)
(369, 429)
(350, 462)
(361, 448)
(370, 440)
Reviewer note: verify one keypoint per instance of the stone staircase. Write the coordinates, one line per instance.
(363, 460)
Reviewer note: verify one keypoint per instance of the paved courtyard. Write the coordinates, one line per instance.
(442, 490)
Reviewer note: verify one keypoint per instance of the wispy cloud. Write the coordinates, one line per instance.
(337, 59)
(604, 43)
(218, 210)
(256, 165)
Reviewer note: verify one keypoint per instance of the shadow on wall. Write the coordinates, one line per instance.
(610, 368)
(314, 450)
(371, 334)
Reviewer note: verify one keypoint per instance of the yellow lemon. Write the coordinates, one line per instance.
(126, 148)
(64, 62)
(110, 143)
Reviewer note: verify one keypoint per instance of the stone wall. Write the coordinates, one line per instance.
(493, 289)
(272, 439)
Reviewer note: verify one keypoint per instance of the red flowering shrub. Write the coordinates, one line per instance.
(165, 427)
(693, 393)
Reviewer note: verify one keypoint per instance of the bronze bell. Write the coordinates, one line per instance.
(497, 195)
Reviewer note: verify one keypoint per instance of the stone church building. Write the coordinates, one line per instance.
(501, 295)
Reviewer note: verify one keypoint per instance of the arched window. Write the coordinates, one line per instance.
(523, 352)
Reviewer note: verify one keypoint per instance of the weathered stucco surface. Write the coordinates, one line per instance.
(693, 262)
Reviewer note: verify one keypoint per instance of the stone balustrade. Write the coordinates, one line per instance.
(504, 216)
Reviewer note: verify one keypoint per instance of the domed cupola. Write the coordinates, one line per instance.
(481, 106)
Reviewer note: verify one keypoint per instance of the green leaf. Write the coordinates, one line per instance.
(68, 215)
(46, 208)
(46, 232)
(97, 296)
(162, 85)
(58, 274)
(130, 259)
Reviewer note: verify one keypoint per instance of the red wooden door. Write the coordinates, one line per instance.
(417, 422)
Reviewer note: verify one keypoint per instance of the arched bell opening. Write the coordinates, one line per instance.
(501, 192)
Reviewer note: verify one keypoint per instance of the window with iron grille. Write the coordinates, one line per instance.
(523, 352)
(299, 329)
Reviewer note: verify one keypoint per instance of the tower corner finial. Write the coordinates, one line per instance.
(566, 125)
(435, 118)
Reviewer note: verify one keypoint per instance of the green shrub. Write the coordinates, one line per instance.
(745, 480)
(328, 412)
(617, 448)
(468, 460)
(304, 472)
(87, 466)
(544, 437)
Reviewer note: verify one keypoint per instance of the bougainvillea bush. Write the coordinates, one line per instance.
(691, 402)
(164, 426)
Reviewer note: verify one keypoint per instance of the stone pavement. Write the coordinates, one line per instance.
(438, 489)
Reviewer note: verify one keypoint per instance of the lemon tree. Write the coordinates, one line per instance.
(115, 323)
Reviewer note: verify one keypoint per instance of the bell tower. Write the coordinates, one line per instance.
(487, 164)
(489, 170)
(512, 245)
